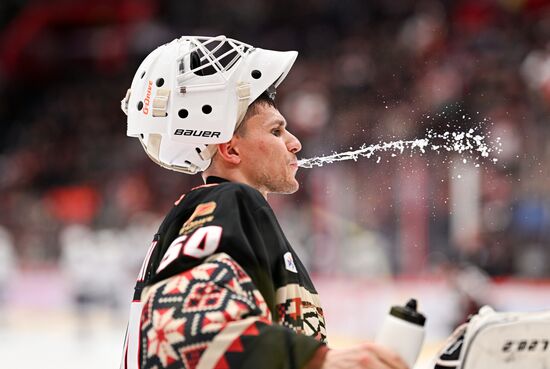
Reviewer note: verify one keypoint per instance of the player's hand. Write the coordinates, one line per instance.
(368, 355)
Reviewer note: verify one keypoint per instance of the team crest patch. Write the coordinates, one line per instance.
(289, 263)
(200, 216)
(204, 209)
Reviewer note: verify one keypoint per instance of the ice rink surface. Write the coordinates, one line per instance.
(54, 340)
(59, 340)
(40, 327)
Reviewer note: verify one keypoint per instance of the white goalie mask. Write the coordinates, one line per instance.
(190, 94)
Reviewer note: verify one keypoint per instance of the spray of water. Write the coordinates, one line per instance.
(460, 142)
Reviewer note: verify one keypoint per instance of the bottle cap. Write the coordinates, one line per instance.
(408, 313)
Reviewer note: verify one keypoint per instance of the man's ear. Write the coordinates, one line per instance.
(229, 152)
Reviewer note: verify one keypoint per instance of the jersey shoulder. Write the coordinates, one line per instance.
(225, 193)
(230, 195)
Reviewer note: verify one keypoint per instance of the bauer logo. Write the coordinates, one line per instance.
(196, 133)
(289, 263)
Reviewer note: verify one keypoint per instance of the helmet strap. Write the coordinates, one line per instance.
(243, 96)
(160, 102)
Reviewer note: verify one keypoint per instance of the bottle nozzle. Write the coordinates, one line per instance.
(408, 313)
(412, 304)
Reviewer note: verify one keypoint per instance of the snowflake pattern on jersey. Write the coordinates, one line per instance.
(183, 314)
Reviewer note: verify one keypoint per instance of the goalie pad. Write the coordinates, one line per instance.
(499, 340)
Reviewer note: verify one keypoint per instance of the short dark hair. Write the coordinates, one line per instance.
(264, 99)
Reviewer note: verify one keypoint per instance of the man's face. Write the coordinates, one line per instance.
(268, 152)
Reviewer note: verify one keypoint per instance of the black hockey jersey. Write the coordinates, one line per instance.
(221, 287)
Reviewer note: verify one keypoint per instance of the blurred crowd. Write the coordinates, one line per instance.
(74, 190)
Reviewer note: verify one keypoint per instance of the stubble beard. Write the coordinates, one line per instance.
(280, 185)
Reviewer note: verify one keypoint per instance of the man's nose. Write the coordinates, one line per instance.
(293, 144)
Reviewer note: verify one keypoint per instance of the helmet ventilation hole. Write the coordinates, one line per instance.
(140, 105)
(142, 74)
(256, 74)
(198, 150)
(206, 109)
(160, 82)
(183, 113)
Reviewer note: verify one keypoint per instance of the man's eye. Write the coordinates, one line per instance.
(276, 132)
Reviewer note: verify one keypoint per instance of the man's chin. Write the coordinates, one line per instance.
(296, 187)
(292, 187)
(288, 188)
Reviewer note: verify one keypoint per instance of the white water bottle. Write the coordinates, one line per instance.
(403, 331)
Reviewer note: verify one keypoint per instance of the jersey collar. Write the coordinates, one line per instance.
(214, 179)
